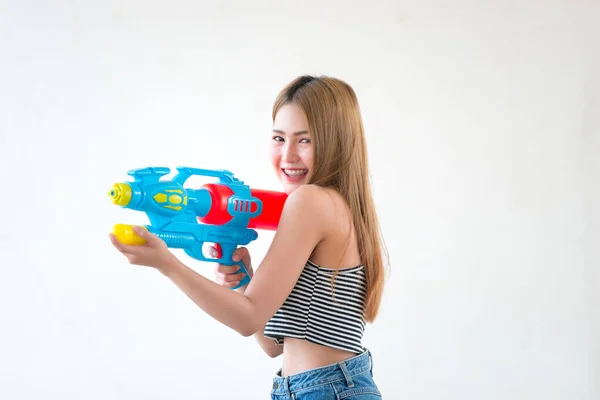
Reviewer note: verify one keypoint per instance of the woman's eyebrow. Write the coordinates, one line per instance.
(295, 133)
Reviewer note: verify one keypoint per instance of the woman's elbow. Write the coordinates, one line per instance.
(250, 323)
(274, 352)
(248, 329)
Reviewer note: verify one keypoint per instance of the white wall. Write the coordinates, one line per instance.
(484, 135)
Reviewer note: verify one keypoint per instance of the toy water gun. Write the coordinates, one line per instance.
(225, 213)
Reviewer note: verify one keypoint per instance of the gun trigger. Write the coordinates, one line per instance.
(219, 250)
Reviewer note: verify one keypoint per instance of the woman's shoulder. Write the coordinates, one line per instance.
(323, 207)
(320, 199)
(308, 191)
(304, 221)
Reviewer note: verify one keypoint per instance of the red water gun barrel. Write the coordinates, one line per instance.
(268, 219)
(272, 206)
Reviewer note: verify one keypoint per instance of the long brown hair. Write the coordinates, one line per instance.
(340, 162)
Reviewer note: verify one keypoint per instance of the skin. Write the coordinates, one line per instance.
(317, 215)
(290, 148)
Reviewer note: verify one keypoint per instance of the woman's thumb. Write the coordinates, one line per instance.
(241, 253)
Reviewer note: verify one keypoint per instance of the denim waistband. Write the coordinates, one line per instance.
(343, 370)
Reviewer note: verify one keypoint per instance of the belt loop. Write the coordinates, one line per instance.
(371, 362)
(286, 383)
(344, 368)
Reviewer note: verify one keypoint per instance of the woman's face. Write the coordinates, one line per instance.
(290, 149)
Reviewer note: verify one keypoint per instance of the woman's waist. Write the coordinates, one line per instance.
(346, 369)
(301, 356)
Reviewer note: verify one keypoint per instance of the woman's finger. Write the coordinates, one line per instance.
(115, 242)
(212, 251)
(241, 253)
(233, 277)
(124, 248)
(151, 239)
(231, 284)
(227, 269)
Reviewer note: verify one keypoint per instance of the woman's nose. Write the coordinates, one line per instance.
(289, 153)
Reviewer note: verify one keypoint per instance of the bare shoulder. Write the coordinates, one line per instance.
(323, 209)
(312, 200)
(308, 193)
(322, 216)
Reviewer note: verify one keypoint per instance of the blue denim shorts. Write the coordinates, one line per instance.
(351, 379)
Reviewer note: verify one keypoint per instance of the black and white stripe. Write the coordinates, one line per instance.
(311, 312)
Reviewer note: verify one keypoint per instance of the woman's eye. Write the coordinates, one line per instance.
(305, 141)
(278, 138)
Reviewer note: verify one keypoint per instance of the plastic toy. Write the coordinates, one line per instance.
(226, 213)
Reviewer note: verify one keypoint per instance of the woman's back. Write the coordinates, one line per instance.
(321, 324)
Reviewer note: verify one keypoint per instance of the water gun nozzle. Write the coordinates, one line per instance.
(120, 194)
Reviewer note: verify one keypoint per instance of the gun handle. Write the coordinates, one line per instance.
(246, 279)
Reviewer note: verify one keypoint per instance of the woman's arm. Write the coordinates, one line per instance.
(302, 226)
(229, 277)
(268, 345)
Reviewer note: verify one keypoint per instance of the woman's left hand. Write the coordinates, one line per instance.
(154, 253)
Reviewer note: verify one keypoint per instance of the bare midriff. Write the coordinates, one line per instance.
(300, 355)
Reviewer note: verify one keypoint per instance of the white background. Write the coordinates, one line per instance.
(482, 119)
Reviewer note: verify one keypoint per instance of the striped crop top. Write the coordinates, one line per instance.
(311, 312)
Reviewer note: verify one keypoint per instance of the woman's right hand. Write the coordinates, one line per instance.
(228, 275)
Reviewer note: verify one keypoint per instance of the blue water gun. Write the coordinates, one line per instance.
(225, 213)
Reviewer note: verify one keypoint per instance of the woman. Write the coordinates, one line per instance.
(322, 277)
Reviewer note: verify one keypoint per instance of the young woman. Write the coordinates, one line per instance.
(322, 278)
